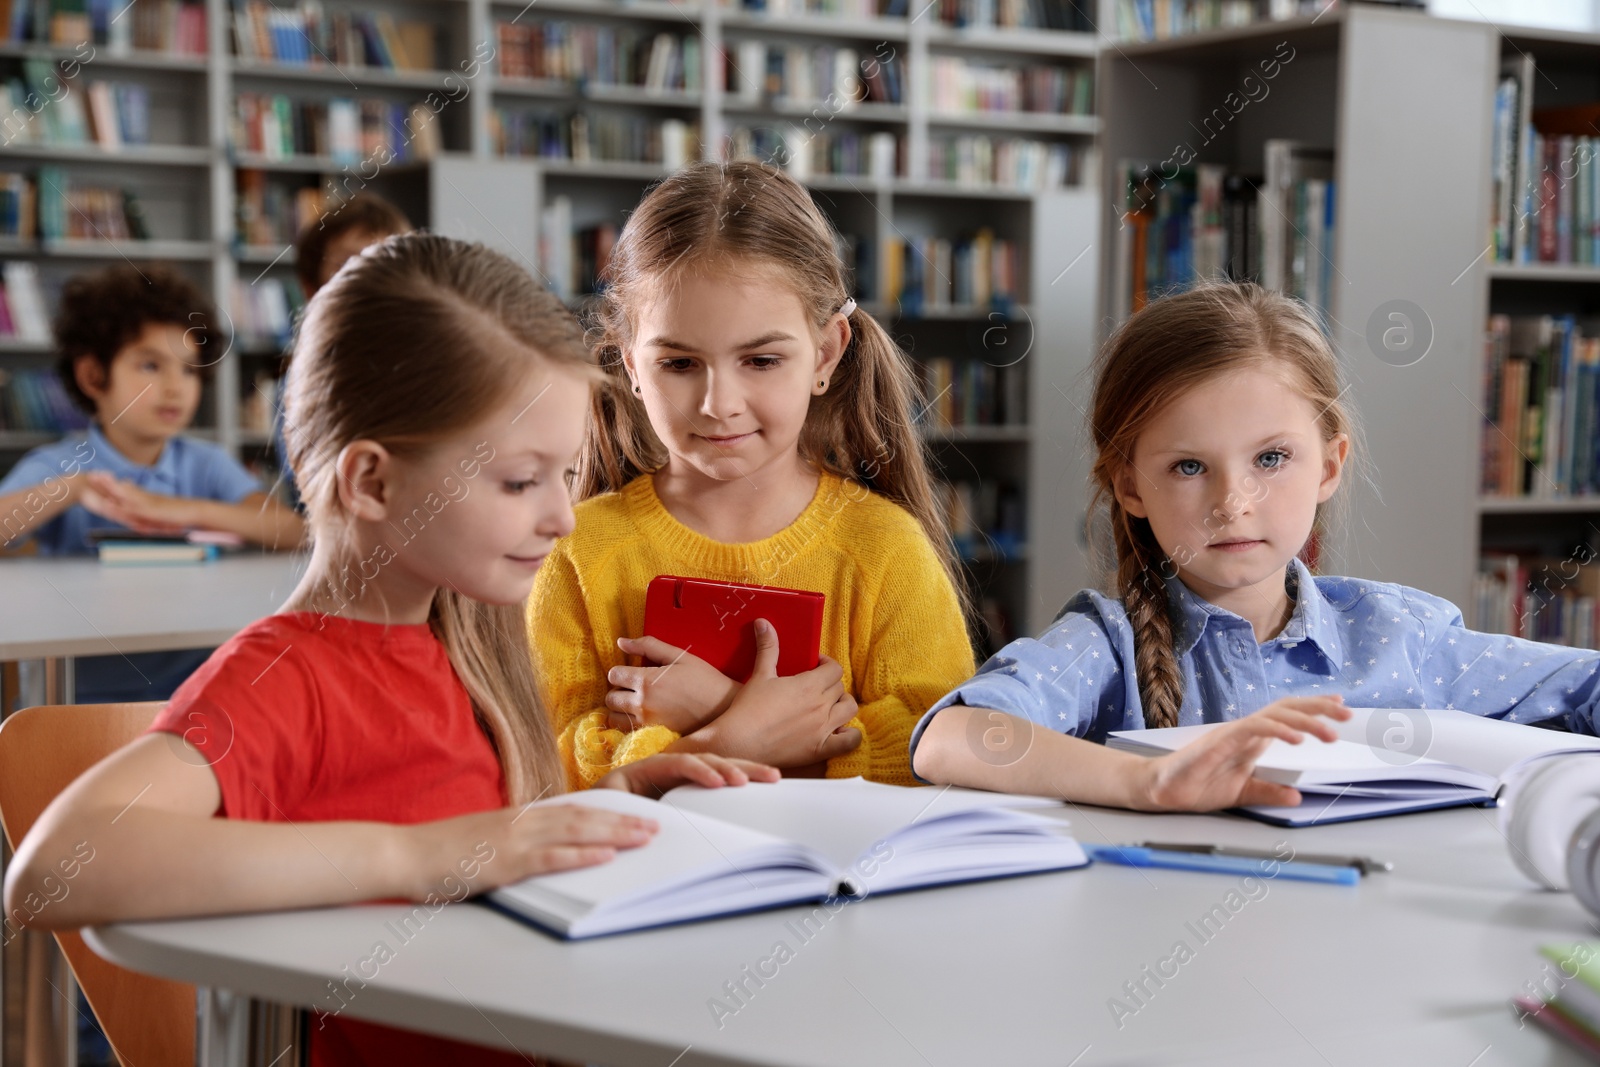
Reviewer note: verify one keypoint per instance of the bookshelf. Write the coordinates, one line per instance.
(519, 145)
(1402, 99)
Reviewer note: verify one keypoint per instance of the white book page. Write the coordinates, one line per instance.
(688, 847)
(1490, 746)
(1313, 760)
(839, 819)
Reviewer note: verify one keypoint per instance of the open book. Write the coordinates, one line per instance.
(1385, 762)
(763, 845)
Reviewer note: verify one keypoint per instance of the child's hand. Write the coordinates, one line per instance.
(653, 776)
(1215, 771)
(682, 692)
(123, 502)
(787, 722)
(491, 848)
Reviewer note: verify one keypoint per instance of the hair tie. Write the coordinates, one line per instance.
(848, 307)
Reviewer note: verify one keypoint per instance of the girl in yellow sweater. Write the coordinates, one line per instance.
(758, 428)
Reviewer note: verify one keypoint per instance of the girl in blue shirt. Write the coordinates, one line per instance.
(1221, 434)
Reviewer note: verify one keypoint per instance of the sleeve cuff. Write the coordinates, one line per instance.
(598, 750)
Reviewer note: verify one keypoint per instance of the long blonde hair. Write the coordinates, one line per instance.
(1165, 349)
(737, 216)
(392, 350)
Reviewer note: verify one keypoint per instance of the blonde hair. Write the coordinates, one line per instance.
(738, 216)
(392, 350)
(1165, 349)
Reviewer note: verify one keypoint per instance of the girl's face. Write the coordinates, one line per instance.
(480, 511)
(726, 367)
(1229, 476)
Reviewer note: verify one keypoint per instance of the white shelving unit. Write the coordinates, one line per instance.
(188, 181)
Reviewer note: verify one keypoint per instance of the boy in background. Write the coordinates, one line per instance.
(133, 349)
(319, 251)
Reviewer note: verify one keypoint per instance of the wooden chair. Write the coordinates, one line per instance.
(147, 1020)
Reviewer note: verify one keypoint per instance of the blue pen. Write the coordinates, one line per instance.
(1132, 856)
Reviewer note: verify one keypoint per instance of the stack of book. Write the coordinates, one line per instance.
(1005, 162)
(804, 153)
(22, 306)
(964, 85)
(1155, 20)
(1204, 223)
(594, 138)
(840, 78)
(985, 518)
(35, 401)
(121, 25)
(1074, 15)
(348, 131)
(1568, 1000)
(68, 209)
(19, 207)
(272, 213)
(585, 54)
(1538, 598)
(264, 312)
(304, 33)
(971, 392)
(1541, 432)
(932, 273)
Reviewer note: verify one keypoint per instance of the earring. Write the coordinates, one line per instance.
(636, 390)
(822, 383)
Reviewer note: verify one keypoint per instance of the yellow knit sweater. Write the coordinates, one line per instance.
(891, 617)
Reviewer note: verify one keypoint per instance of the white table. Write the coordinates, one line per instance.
(1410, 967)
(57, 609)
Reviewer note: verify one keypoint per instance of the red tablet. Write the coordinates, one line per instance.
(716, 621)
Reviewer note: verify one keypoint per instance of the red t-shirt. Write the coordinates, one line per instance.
(308, 718)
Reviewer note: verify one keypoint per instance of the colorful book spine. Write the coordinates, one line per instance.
(594, 137)
(1158, 20)
(1541, 405)
(35, 401)
(962, 85)
(981, 160)
(346, 130)
(598, 54)
(934, 273)
(307, 34)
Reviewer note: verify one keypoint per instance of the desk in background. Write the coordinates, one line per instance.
(1414, 966)
(55, 609)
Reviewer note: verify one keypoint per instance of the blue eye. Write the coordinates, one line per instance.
(1273, 458)
(1189, 467)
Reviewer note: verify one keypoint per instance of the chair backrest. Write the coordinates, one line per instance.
(146, 1020)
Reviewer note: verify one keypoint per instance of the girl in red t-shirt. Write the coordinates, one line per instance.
(381, 736)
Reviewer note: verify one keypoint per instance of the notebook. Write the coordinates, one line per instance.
(1370, 771)
(768, 844)
(716, 621)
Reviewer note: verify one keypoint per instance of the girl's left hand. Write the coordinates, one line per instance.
(654, 776)
(136, 508)
(682, 692)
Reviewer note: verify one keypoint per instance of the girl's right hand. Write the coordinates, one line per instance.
(1216, 771)
(492, 848)
(786, 722)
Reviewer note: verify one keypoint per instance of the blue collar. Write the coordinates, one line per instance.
(163, 471)
(1314, 619)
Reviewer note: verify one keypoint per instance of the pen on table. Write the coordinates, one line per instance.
(1364, 864)
(1138, 856)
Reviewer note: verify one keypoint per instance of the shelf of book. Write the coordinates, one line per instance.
(449, 43)
(1205, 26)
(1335, 103)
